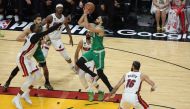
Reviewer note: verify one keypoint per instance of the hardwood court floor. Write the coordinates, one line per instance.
(173, 85)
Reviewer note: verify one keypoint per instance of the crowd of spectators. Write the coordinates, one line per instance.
(23, 10)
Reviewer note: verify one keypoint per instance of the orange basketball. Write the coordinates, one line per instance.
(90, 6)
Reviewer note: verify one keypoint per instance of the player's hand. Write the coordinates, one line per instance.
(153, 88)
(71, 41)
(85, 11)
(28, 2)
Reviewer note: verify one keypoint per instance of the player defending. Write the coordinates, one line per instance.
(84, 45)
(26, 65)
(38, 55)
(55, 37)
(133, 81)
(97, 52)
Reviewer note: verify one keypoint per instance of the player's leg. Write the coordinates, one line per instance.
(142, 104)
(38, 55)
(87, 87)
(99, 62)
(81, 63)
(89, 78)
(45, 48)
(58, 45)
(13, 74)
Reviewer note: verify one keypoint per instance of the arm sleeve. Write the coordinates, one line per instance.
(36, 37)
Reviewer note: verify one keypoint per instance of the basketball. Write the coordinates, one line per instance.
(90, 6)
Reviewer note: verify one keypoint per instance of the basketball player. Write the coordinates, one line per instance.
(26, 65)
(38, 55)
(55, 37)
(133, 81)
(84, 45)
(97, 52)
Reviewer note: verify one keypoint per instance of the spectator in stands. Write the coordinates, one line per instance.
(160, 9)
(178, 6)
(9, 9)
(28, 8)
(1, 10)
(46, 7)
(188, 13)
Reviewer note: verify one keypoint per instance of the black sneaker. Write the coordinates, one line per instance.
(5, 87)
(48, 86)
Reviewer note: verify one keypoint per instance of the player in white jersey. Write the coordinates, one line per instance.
(26, 65)
(133, 81)
(55, 37)
(84, 45)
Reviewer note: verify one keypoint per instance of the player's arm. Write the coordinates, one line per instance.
(149, 81)
(81, 21)
(118, 85)
(79, 47)
(47, 21)
(36, 37)
(21, 37)
(68, 31)
(94, 29)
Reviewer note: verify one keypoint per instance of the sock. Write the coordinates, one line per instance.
(81, 64)
(104, 79)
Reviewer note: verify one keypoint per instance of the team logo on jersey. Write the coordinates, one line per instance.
(4, 24)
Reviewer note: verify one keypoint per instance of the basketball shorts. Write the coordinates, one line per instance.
(97, 56)
(26, 65)
(135, 100)
(39, 56)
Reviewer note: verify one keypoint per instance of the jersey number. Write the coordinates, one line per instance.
(130, 83)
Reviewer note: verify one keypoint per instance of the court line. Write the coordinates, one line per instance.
(162, 106)
(149, 57)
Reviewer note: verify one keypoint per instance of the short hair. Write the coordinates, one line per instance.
(35, 16)
(136, 65)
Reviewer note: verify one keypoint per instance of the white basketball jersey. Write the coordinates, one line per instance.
(85, 46)
(132, 82)
(28, 48)
(57, 33)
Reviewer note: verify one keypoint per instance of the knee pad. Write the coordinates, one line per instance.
(80, 62)
(42, 64)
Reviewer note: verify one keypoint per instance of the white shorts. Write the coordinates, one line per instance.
(130, 99)
(26, 65)
(57, 44)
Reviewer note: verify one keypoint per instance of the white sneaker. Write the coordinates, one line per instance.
(26, 97)
(17, 103)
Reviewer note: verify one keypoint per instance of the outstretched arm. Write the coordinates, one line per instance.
(149, 81)
(36, 37)
(118, 85)
(69, 32)
(21, 37)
